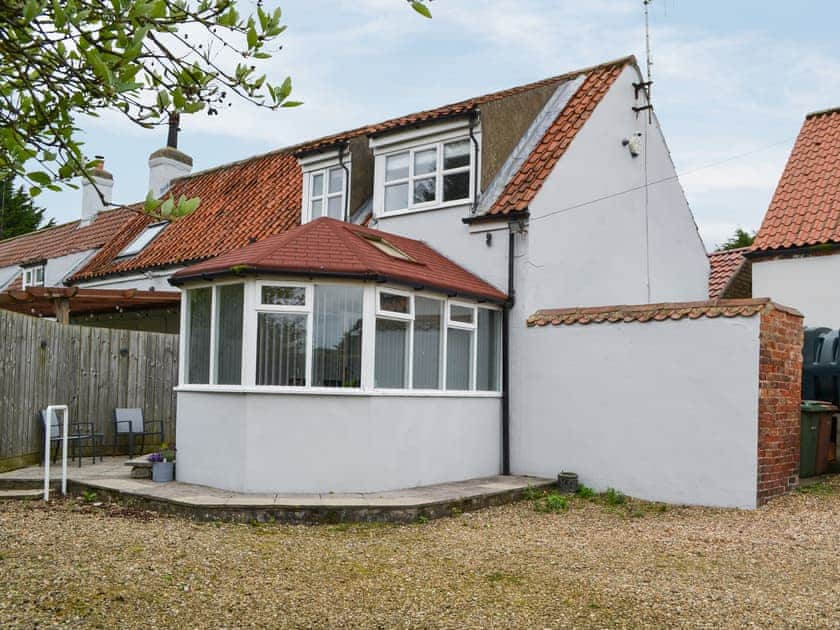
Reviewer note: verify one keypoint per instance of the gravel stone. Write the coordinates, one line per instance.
(71, 564)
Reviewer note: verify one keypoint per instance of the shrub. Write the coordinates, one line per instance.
(614, 497)
(552, 503)
(585, 492)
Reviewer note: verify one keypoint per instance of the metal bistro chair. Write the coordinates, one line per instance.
(130, 422)
(77, 433)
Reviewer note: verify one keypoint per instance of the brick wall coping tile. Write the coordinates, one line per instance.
(657, 312)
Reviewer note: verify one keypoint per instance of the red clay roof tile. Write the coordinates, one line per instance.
(805, 209)
(656, 312)
(330, 247)
(65, 239)
(723, 267)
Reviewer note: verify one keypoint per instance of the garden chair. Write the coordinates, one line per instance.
(130, 422)
(77, 433)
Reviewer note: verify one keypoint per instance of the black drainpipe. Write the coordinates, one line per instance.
(341, 163)
(506, 357)
(474, 207)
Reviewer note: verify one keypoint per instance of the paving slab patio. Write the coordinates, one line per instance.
(113, 477)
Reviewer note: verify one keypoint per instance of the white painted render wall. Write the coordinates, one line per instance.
(150, 281)
(664, 411)
(809, 284)
(249, 442)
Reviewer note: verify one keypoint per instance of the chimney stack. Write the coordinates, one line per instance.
(168, 163)
(94, 202)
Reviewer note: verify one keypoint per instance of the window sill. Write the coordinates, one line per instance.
(331, 391)
(431, 208)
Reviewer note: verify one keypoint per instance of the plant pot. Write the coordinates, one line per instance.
(163, 471)
(567, 482)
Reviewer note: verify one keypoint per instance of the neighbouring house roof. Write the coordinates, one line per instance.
(68, 238)
(730, 274)
(328, 247)
(240, 203)
(261, 196)
(805, 209)
(655, 312)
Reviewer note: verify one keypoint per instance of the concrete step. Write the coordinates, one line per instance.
(21, 494)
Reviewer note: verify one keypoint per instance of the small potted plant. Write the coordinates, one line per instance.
(163, 464)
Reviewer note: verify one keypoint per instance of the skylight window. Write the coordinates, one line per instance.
(143, 239)
(386, 248)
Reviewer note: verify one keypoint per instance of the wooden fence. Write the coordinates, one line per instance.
(92, 370)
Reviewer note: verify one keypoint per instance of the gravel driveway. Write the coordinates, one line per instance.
(630, 565)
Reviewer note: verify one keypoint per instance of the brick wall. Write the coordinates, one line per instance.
(779, 395)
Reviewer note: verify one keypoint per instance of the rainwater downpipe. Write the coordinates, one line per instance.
(511, 291)
(473, 119)
(341, 163)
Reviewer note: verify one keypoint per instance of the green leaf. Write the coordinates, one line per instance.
(252, 37)
(421, 8)
(292, 104)
(31, 10)
(40, 177)
(151, 204)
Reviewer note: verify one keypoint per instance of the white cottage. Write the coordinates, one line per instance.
(335, 357)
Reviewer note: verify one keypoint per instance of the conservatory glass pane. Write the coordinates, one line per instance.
(489, 350)
(198, 336)
(394, 302)
(461, 314)
(281, 349)
(230, 301)
(424, 190)
(458, 358)
(425, 161)
(396, 197)
(396, 167)
(337, 337)
(336, 183)
(456, 154)
(456, 186)
(428, 318)
(390, 370)
(284, 296)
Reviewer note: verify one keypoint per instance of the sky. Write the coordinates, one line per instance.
(733, 82)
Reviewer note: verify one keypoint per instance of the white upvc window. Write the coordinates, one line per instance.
(215, 324)
(428, 176)
(327, 193)
(339, 335)
(33, 276)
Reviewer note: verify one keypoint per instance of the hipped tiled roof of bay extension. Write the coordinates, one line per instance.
(261, 196)
(723, 267)
(67, 238)
(328, 247)
(656, 312)
(805, 209)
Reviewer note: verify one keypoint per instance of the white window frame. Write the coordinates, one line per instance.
(418, 140)
(472, 327)
(322, 164)
(298, 309)
(127, 251)
(30, 276)
(438, 175)
(214, 317)
(325, 195)
(371, 311)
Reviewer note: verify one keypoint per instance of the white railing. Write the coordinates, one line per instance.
(47, 439)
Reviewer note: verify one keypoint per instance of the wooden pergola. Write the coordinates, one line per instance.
(59, 302)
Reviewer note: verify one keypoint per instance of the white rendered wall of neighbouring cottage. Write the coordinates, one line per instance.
(664, 411)
(807, 283)
(258, 442)
(157, 280)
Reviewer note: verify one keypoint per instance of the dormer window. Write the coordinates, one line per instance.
(327, 193)
(424, 169)
(325, 185)
(33, 276)
(142, 240)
